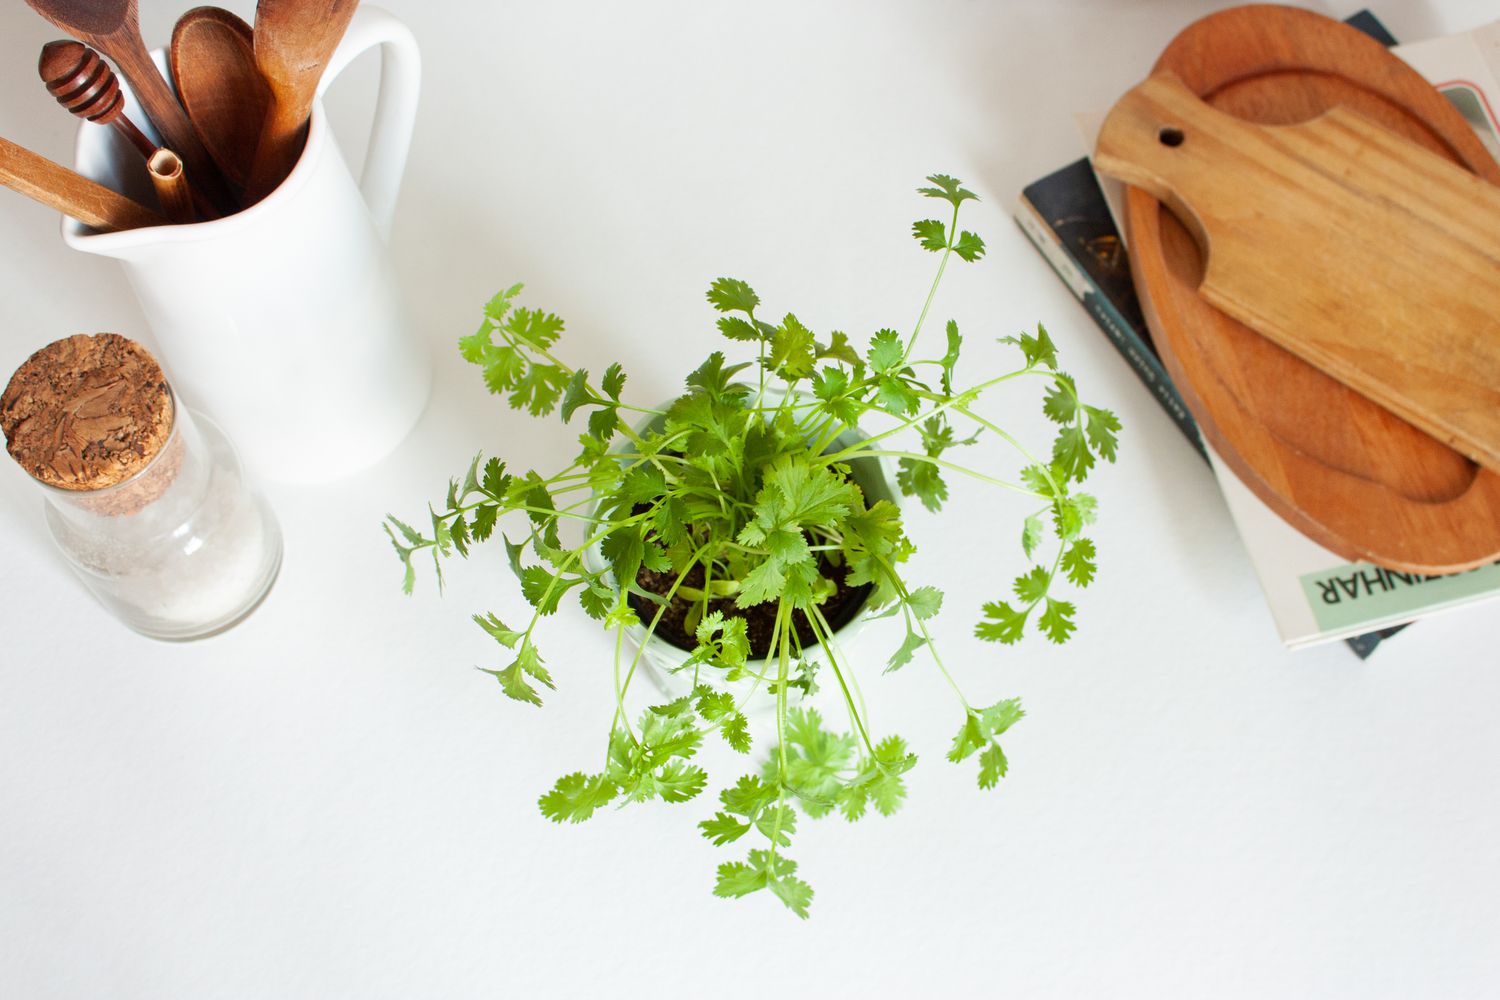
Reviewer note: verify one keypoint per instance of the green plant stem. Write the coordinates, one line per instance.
(911, 342)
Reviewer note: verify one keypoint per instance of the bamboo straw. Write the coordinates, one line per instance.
(171, 184)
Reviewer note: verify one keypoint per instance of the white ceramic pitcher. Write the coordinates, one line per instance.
(284, 321)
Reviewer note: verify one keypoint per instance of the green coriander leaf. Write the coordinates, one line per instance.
(887, 792)
(731, 295)
(495, 482)
(896, 396)
(1031, 534)
(1057, 620)
(922, 479)
(497, 307)
(992, 766)
(736, 732)
(969, 246)
(748, 797)
(614, 381)
(514, 684)
(1032, 586)
(1036, 479)
(498, 630)
(999, 717)
(1070, 452)
(839, 349)
(596, 601)
(1038, 350)
(778, 823)
(831, 387)
(1078, 562)
(539, 389)
(603, 423)
(477, 346)
(735, 328)
(712, 376)
(948, 189)
(534, 328)
(955, 342)
(407, 531)
(544, 589)
(931, 233)
(679, 782)
(576, 395)
(484, 521)
(576, 796)
(795, 893)
(1061, 404)
(723, 829)
(968, 739)
(1001, 623)
(792, 349)
(409, 581)
(1072, 513)
(925, 602)
(903, 656)
(738, 879)
(1102, 428)
(886, 352)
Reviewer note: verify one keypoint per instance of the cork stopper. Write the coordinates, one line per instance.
(87, 412)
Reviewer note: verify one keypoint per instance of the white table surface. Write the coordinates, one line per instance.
(328, 801)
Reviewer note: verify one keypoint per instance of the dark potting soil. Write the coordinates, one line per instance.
(760, 620)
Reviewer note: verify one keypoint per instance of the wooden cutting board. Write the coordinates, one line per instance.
(1345, 470)
(1357, 250)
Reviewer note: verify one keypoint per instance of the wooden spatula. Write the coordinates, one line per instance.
(1369, 257)
(294, 39)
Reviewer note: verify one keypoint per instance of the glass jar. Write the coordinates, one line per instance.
(182, 549)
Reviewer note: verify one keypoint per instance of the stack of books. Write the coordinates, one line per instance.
(1315, 595)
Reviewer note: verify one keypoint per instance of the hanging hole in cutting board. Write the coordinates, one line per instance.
(1170, 136)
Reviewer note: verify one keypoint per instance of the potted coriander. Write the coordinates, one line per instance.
(728, 537)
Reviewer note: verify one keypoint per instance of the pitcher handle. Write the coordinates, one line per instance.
(395, 108)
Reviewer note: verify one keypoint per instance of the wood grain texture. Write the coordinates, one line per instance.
(70, 193)
(214, 70)
(1359, 251)
(170, 181)
(113, 27)
(294, 39)
(84, 84)
(1345, 471)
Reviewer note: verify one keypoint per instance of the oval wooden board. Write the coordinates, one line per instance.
(1350, 475)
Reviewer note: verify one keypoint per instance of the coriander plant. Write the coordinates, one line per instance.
(732, 522)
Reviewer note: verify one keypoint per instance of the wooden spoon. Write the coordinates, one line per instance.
(294, 39)
(113, 27)
(213, 67)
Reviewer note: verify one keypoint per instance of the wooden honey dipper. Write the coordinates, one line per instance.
(83, 83)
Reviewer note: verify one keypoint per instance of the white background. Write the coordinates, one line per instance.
(329, 801)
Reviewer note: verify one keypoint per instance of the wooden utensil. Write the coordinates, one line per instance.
(214, 70)
(113, 27)
(83, 83)
(1362, 253)
(170, 181)
(1347, 472)
(70, 193)
(294, 39)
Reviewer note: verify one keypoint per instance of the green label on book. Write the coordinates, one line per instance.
(1358, 594)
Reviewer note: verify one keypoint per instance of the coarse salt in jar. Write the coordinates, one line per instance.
(146, 500)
